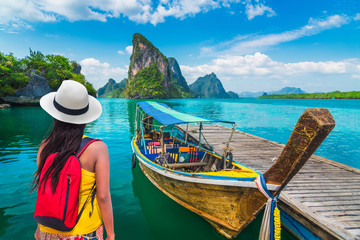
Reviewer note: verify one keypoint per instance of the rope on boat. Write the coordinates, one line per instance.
(271, 224)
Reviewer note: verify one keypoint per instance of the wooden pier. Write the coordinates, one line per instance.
(324, 196)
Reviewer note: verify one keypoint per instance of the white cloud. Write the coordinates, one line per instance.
(357, 17)
(120, 52)
(129, 49)
(25, 9)
(253, 43)
(16, 25)
(98, 73)
(139, 11)
(262, 66)
(258, 9)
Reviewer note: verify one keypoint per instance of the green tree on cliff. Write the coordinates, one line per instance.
(54, 68)
(12, 74)
(147, 83)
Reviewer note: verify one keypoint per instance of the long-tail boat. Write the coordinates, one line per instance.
(213, 185)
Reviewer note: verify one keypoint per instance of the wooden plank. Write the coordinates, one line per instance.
(342, 200)
(354, 218)
(331, 208)
(337, 204)
(355, 232)
(354, 213)
(341, 194)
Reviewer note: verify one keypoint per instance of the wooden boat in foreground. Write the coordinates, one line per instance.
(213, 185)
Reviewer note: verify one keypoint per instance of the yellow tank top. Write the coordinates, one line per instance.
(87, 223)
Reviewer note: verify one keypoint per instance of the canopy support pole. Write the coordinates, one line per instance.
(143, 137)
(136, 117)
(200, 128)
(186, 133)
(172, 130)
(226, 148)
(162, 145)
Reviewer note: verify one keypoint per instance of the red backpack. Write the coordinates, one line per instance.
(60, 210)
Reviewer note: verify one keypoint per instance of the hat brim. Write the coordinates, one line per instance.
(93, 113)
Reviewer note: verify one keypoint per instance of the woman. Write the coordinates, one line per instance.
(72, 108)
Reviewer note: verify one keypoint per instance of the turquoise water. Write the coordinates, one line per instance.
(140, 210)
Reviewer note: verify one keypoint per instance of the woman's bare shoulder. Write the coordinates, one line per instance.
(98, 147)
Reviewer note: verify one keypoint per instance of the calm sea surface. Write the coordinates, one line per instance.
(140, 210)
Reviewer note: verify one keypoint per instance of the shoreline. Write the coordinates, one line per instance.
(332, 95)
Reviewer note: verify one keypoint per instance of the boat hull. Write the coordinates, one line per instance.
(230, 204)
(229, 209)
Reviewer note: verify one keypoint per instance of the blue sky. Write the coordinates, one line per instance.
(251, 45)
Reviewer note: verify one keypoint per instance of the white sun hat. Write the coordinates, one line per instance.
(71, 104)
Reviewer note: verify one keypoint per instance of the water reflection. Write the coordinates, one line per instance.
(22, 128)
(131, 110)
(5, 220)
(165, 217)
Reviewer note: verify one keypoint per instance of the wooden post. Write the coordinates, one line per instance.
(200, 128)
(226, 148)
(143, 137)
(136, 114)
(186, 133)
(162, 145)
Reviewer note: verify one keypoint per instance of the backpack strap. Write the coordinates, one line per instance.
(85, 142)
(92, 193)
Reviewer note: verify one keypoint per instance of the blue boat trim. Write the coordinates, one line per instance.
(166, 118)
(296, 227)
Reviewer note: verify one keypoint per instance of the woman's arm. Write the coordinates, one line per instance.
(37, 233)
(102, 170)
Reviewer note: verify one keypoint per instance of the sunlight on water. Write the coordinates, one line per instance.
(140, 210)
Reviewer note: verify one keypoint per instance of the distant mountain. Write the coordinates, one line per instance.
(208, 86)
(283, 91)
(177, 80)
(112, 89)
(233, 94)
(287, 90)
(110, 86)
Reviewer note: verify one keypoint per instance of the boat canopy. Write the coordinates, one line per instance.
(167, 116)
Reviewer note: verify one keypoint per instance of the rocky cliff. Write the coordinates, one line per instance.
(208, 86)
(177, 80)
(233, 94)
(149, 75)
(32, 92)
(36, 87)
(112, 89)
(152, 75)
(110, 86)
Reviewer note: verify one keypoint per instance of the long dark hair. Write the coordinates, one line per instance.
(64, 139)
